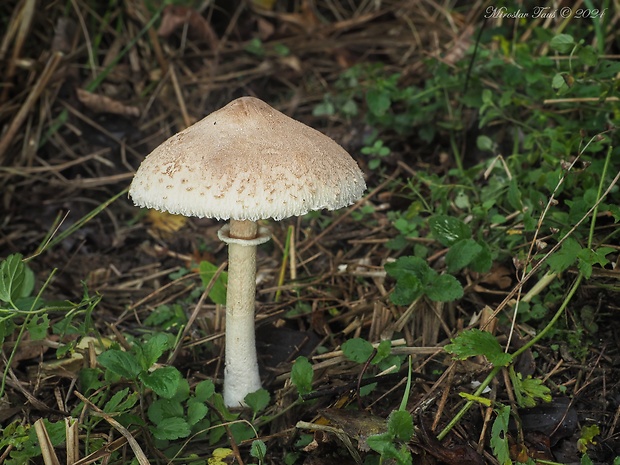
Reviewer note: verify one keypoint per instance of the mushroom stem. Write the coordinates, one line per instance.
(241, 375)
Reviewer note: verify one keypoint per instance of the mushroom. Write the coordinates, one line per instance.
(246, 162)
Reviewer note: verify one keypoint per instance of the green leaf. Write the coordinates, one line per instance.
(408, 288)
(281, 50)
(196, 411)
(560, 83)
(474, 342)
(588, 258)
(89, 379)
(482, 262)
(163, 381)
(414, 278)
(462, 201)
(120, 363)
(218, 291)
(301, 375)
(588, 433)
(528, 390)
(563, 43)
(380, 442)
(405, 266)
(205, 390)
(514, 195)
(384, 349)
(27, 286)
(607, 69)
(242, 432)
(499, 438)
(258, 400)
(444, 288)
(171, 428)
(166, 317)
(384, 444)
(586, 460)
(349, 108)
(378, 101)
(588, 55)
(400, 425)
(255, 47)
(12, 277)
(448, 230)
(534, 387)
(565, 257)
(410, 273)
(403, 456)
(325, 108)
(258, 449)
(38, 327)
(182, 392)
(218, 403)
(290, 458)
(113, 405)
(357, 349)
(461, 254)
(484, 143)
(149, 352)
(164, 408)
(487, 97)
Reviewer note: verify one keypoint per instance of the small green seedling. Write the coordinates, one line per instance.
(415, 278)
(302, 375)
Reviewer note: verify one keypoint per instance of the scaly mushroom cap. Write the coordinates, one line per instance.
(247, 161)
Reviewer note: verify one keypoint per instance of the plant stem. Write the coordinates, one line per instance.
(461, 413)
(553, 320)
(285, 255)
(599, 194)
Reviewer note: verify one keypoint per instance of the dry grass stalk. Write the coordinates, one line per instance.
(47, 449)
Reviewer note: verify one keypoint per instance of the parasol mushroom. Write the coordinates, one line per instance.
(246, 162)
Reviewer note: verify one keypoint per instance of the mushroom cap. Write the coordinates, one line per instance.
(247, 161)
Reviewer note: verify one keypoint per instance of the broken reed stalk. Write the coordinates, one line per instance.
(47, 449)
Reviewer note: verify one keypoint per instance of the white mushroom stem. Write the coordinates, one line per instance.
(241, 375)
